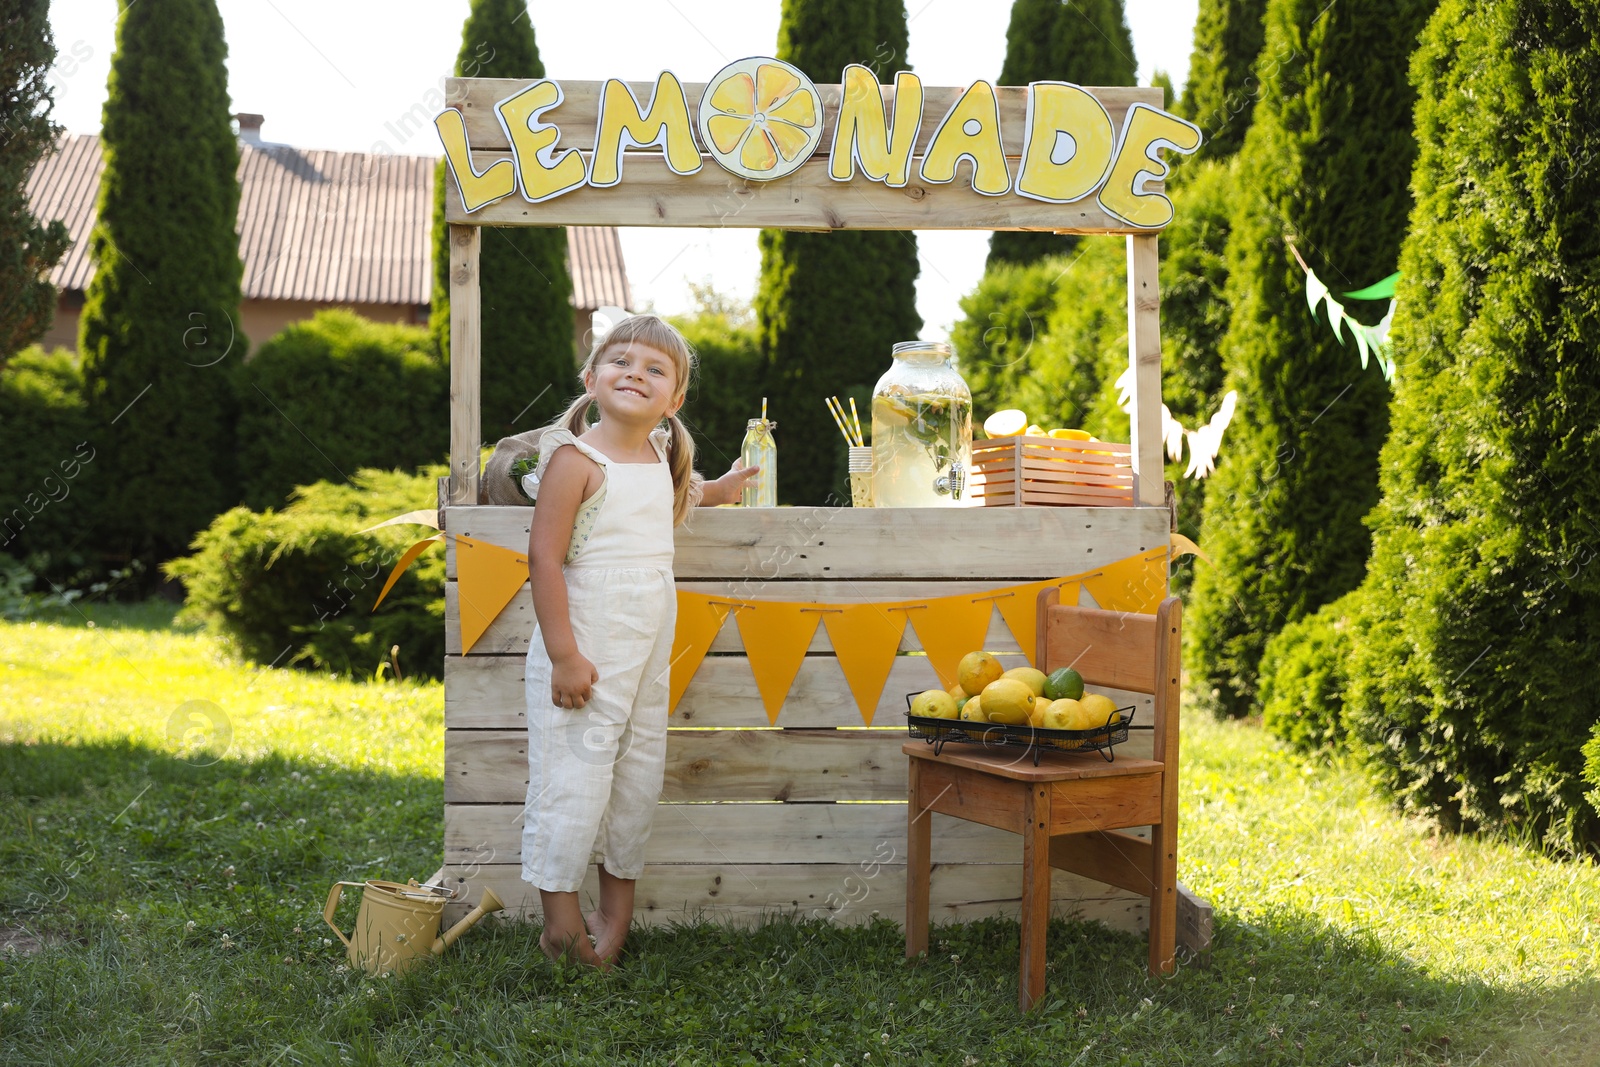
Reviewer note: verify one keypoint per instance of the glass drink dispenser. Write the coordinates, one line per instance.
(921, 430)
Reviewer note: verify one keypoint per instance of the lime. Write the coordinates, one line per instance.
(1064, 684)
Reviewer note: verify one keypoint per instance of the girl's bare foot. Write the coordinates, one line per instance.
(607, 938)
(559, 945)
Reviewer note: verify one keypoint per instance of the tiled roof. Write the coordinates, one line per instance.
(327, 227)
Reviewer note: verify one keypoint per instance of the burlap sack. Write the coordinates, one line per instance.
(497, 486)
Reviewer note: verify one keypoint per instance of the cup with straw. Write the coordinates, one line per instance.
(859, 453)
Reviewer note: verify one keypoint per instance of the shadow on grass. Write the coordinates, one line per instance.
(147, 615)
(180, 912)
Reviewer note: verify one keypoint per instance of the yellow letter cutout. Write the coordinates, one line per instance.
(1070, 140)
(971, 130)
(477, 190)
(861, 136)
(1145, 132)
(666, 124)
(541, 174)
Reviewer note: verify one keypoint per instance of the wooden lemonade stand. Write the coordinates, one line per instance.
(805, 814)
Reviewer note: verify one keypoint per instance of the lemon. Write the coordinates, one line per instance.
(1099, 710)
(1060, 713)
(1034, 431)
(1041, 708)
(976, 670)
(1005, 423)
(1070, 435)
(1008, 701)
(934, 704)
(957, 693)
(972, 710)
(1034, 679)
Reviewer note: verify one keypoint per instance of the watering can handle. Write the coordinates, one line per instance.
(334, 894)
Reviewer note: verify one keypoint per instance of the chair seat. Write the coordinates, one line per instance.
(1055, 765)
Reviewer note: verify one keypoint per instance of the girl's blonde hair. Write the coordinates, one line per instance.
(650, 330)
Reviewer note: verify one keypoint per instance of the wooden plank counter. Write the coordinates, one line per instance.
(807, 817)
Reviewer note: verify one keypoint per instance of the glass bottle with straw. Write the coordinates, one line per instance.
(859, 453)
(760, 450)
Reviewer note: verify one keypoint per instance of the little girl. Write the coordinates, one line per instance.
(600, 560)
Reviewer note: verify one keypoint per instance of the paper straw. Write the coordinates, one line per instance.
(838, 408)
(837, 421)
(859, 442)
(763, 409)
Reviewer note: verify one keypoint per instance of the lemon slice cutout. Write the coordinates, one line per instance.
(1006, 423)
(764, 118)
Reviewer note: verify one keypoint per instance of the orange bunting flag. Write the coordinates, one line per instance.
(700, 618)
(775, 634)
(406, 559)
(487, 577)
(1137, 584)
(1020, 610)
(949, 627)
(865, 638)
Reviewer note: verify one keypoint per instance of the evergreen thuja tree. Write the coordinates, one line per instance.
(1221, 92)
(28, 249)
(831, 305)
(1083, 41)
(529, 370)
(1326, 163)
(159, 333)
(1471, 682)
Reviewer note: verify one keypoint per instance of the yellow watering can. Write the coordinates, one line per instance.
(398, 925)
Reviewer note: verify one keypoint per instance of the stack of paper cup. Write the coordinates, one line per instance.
(861, 476)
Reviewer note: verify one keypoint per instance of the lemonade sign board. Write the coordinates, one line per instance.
(761, 145)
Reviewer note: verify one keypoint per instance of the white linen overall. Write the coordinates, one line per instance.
(595, 772)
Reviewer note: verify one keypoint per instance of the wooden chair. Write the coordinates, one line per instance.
(1071, 809)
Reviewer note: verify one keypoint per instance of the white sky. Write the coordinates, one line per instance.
(335, 73)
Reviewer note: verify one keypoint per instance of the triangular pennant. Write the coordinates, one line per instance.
(1019, 607)
(1135, 584)
(487, 577)
(1182, 546)
(1377, 290)
(865, 638)
(422, 517)
(700, 619)
(1315, 290)
(406, 559)
(949, 627)
(775, 634)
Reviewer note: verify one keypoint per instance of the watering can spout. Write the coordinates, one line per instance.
(489, 902)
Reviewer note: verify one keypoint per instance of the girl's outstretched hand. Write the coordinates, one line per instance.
(571, 679)
(728, 488)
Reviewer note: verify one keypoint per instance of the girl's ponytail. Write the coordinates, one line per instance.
(687, 483)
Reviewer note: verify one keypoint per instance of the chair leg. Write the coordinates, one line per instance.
(919, 864)
(1035, 897)
(1163, 899)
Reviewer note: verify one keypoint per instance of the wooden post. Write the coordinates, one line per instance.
(465, 342)
(1144, 357)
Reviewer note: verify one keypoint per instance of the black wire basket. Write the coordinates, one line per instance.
(1036, 739)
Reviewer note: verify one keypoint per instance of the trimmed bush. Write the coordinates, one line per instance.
(1221, 92)
(1472, 690)
(336, 393)
(528, 368)
(831, 305)
(296, 587)
(46, 499)
(1304, 674)
(159, 333)
(1327, 161)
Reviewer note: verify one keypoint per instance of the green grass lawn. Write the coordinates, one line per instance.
(165, 906)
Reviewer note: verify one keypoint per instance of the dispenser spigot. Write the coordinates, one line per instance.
(952, 482)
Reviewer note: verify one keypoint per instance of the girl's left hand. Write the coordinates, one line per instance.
(728, 487)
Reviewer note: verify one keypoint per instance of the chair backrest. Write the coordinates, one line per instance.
(1118, 650)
